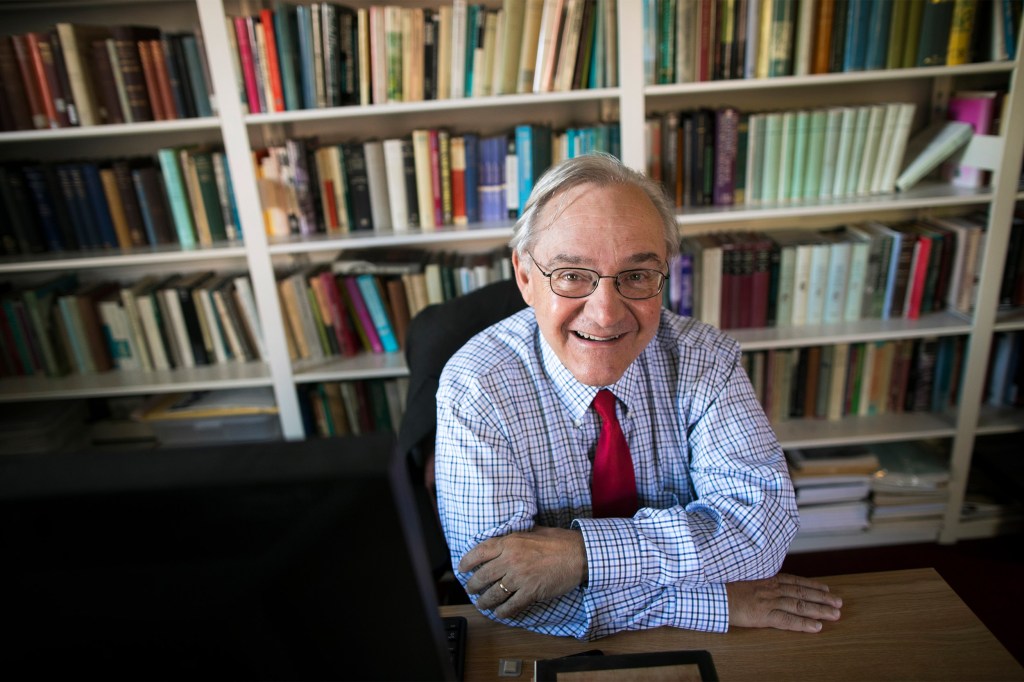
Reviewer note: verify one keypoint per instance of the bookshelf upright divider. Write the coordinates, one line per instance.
(237, 145)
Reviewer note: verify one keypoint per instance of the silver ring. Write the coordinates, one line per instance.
(504, 588)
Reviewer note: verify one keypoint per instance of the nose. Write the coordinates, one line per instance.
(605, 305)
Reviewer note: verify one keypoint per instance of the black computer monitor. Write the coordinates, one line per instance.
(298, 560)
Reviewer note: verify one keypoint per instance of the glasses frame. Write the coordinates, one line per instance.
(597, 282)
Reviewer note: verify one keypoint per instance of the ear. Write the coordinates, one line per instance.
(521, 271)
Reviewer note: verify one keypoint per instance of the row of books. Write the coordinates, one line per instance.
(182, 196)
(155, 323)
(425, 180)
(80, 75)
(858, 379)
(326, 54)
(794, 277)
(852, 488)
(690, 41)
(340, 408)
(723, 156)
(363, 301)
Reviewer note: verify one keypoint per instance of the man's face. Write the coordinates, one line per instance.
(606, 229)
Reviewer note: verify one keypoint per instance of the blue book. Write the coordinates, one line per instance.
(80, 222)
(855, 47)
(196, 79)
(305, 30)
(472, 144)
(177, 197)
(878, 34)
(287, 53)
(378, 313)
(97, 202)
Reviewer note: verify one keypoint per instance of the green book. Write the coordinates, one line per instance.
(801, 133)
(833, 128)
(898, 29)
(844, 148)
(786, 147)
(286, 35)
(860, 133)
(772, 156)
(915, 10)
(872, 145)
(177, 197)
(755, 158)
(818, 120)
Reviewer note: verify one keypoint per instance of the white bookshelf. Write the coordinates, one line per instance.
(239, 133)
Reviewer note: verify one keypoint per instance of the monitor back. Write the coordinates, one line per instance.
(299, 560)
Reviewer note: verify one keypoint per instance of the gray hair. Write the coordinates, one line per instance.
(596, 168)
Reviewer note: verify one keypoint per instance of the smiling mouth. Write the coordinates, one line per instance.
(590, 337)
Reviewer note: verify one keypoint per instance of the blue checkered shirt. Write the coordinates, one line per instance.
(515, 441)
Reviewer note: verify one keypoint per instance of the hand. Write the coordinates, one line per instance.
(513, 571)
(785, 602)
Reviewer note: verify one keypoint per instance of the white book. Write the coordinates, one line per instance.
(424, 192)
(872, 144)
(837, 279)
(931, 147)
(817, 285)
(860, 248)
(844, 149)
(900, 139)
(247, 304)
(131, 310)
(377, 180)
(802, 282)
(890, 120)
(123, 349)
(830, 151)
(787, 147)
(206, 312)
(394, 168)
(148, 315)
(569, 45)
(507, 64)
(459, 36)
(804, 34)
(172, 306)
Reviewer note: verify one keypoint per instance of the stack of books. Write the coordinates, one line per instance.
(832, 487)
(912, 482)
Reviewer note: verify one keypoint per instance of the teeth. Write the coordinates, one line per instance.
(597, 338)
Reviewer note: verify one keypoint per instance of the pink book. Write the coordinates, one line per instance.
(248, 67)
(363, 314)
(918, 274)
(978, 109)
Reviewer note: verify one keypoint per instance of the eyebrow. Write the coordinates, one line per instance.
(642, 258)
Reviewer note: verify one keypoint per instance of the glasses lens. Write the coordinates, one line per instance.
(639, 283)
(573, 282)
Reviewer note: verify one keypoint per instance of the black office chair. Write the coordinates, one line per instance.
(434, 335)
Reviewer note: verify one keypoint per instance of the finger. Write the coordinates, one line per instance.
(807, 609)
(493, 596)
(811, 594)
(482, 553)
(784, 620)
(517, 602)
(789, 579)
(486, 575)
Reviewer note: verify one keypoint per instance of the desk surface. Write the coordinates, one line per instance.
(895, 625)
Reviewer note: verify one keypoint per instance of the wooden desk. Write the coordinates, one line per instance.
(896, 625)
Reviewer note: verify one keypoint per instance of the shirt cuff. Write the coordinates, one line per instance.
(613, 552)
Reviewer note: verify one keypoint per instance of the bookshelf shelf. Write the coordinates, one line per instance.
(781, 83)
(358, 367)
(934, 324)
(907, 426)
(240, 134)
(170, 254)
(903, 533)
(380, 239)
(124, 382)
(926, 196)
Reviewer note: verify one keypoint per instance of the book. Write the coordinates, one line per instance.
(977, 108)
(931, 147)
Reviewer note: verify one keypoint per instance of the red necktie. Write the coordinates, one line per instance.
(613, 489)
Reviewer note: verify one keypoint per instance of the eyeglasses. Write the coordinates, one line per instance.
(582, 282)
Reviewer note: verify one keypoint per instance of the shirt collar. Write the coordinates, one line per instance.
(577, 397)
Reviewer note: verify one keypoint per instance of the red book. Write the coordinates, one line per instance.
(435, 177)
(458, 180)
(33, 91)
(918, 273)
(163, 77)
(245, 49)
(348, 340)
(273, 64)
(156, 102)
(46, 72)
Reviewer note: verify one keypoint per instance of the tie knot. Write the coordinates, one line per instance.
(604, 403)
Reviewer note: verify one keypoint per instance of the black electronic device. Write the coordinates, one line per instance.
(284, 560)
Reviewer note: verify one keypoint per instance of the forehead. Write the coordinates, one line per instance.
(591, 222)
